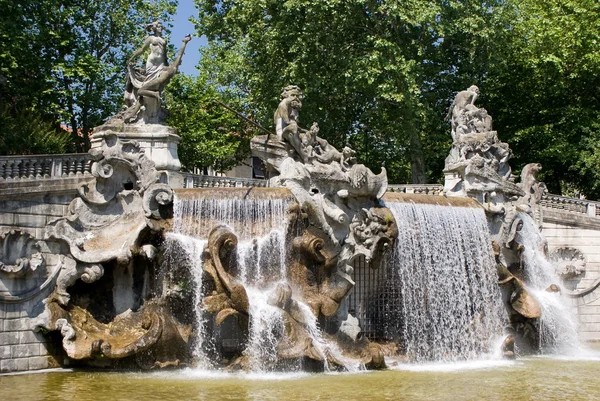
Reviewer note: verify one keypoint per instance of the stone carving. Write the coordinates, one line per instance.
(19, 253)
(144, 85)
(322, 178)
(340, 199)
(478, 162)
(151, 330)
(533, 189)
(569, 262)
(70, 272)
(156, 61)
(311, 278)
(523, 309)
(107, 224)
(109, 217)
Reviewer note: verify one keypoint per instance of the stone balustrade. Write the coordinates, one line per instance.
(60, 166)
(36, 167)
(208, 181)
(423, 189)
(574, 205)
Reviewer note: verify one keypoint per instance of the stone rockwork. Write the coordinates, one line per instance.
(89, 279)
(477, 167)
(341, 200)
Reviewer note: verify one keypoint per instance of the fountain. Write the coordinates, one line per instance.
(443, 266)
(321, 271)
(540, 320)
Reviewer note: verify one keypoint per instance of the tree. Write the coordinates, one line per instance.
(377, 74)
(65, 60)
(543, 90)
(211, 136)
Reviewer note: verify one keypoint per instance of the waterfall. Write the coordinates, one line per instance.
(558, 324)
(247, 218)
(187, 252)
(261, 227)
(450, 305)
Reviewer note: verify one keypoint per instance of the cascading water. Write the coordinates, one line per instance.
(188, 251)
(558, 325)
(260, 225)
(248, 218)
(261, 228)
(451, 306)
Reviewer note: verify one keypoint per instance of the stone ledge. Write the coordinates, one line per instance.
(570, 219)
(49, 186)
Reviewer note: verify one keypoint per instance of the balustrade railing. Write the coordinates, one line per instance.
(208, 181)
(37, 167)
(423, 189)
(574, 205)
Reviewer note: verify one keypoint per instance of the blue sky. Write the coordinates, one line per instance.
(181, 27)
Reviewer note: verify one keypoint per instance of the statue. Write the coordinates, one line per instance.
(340, 199)
(463, 103)
(156, 61)
(478, 162)
(144, 86)
(286, 123)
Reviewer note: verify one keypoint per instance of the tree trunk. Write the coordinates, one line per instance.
(417, 160)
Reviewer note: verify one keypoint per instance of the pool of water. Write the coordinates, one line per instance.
(536, 378)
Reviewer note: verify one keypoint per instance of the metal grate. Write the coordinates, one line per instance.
(375, 301)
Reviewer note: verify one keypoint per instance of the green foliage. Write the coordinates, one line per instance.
(26, 132)
(66, 60)
(211, 136)
(542, 88)
(377, 74)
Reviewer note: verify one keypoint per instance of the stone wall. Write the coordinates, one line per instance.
(564, 229)
(24, 213)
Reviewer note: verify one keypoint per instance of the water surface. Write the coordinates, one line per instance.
(537, 378)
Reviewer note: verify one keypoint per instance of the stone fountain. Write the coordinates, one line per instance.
(321, 270)
(477, 167)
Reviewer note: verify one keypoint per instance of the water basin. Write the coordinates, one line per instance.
(535, 378)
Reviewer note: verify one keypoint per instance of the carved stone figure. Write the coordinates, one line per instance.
(569, 262)
(156, 61)
(155, 79)
(286, 123)
(19, 253)
(107, 225)
(106, 221)
(478, 162)
(312, 278)
(534, 189)
(463, 111)
(340, 199)
(152, 331)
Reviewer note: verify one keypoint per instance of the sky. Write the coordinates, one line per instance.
(181, 27)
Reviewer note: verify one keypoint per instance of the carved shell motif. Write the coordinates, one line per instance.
(19, 253)
(568, 262)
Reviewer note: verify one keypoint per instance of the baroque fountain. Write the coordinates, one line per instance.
(324, 269)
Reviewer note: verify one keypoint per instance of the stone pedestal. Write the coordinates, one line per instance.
(159, 142)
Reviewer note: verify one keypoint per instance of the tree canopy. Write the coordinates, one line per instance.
(64, 61)
(381, 75)
(377, 74)
(211, 136)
